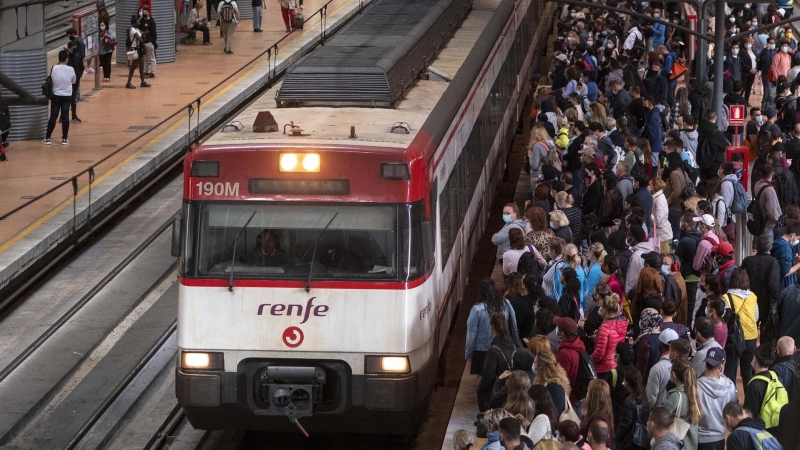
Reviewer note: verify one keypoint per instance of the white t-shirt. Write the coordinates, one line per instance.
(63, 79)
(132, 33)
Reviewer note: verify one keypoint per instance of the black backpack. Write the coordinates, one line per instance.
(755, 219)
(781, 189)
(47, 87)
(705, 157)
(586, 373)
(690, 171)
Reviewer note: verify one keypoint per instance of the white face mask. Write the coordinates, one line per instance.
(656, 15)
(102, 28)
(748, 46)
(735, 51)
(784, 49)
(610, 45)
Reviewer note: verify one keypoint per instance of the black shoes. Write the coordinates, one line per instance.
(130, 86)
(144, 84)
(230, 52)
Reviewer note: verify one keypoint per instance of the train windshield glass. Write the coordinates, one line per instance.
(361, 243)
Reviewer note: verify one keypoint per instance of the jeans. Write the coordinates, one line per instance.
(719, 445)
(227, 29)
(59, 104)
(674, 218)
(288, 17)
(769, 93)
(741, 362)
(257, 17)
(150, 53)
(105, 63)
(691, 296)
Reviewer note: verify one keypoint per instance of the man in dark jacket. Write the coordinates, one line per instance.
(619, 99)
(764, 63)
(789, 311)
(765, 281)
(687, 248)
(756, 390)
(636, 106)
(5, 122)
(785, 365)
(737, 422)
(557, 75)
(652, 127)
(645, 198)
(710, 158)
(656, 85)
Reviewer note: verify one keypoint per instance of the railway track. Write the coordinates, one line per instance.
(58, 16)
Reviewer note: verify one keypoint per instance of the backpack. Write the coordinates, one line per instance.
(638, 164)
(762, 439)
(709, 264)
(47, 87)
(735, 342)
(226, 13)
(690, 171)
(617, 155)
(638, 47)
(586, 373)
(774, 399)
(725, 117)
(739, 204)
(756, 222)
(705, 157)
(781, 189)
(764, 137)
(664, 119)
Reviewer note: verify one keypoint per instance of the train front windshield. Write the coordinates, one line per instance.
(277, 241)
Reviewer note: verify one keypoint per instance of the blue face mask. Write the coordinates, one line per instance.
(759, 119)
(493, 436)
(507, 218)
(665, 269)
(552, 225)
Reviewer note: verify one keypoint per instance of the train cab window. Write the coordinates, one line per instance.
(279, 240)
(416, 253)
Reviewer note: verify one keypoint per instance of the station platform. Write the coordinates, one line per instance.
(152, 124)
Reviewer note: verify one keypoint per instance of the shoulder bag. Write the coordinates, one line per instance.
(47, 87)
(735, 331)
(569, 412)
(679, 426)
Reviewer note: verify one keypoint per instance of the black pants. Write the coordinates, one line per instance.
(74, 100)
(719, 445)
(105, 63)
(204, 30)
(139, 63)
(748, 79)
(211, 4)
(4, 137)
(59, 104)
(741, 362)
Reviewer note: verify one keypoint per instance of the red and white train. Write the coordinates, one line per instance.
(319, 274)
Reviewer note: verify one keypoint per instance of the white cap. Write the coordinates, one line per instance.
(667, 336)
(706, 219)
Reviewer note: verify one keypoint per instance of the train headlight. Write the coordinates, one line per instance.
(202, 361)
(299, 162)
(386, 364)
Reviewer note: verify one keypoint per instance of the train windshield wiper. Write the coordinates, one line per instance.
(314, 253)
(235, 243)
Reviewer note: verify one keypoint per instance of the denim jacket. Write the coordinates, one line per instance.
(479, 331)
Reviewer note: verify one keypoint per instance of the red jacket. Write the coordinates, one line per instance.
(569, 357)
(611, 333)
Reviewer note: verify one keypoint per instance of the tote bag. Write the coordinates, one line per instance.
(679, 426)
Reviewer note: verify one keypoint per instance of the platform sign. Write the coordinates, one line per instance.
(740, 157)
(87, 22)
(737, 115)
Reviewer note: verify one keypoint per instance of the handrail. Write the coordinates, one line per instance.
(190, 108)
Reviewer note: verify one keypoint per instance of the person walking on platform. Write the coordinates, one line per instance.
(228, 12)
(136, 43)
(198, 24)
(76, 62)
(147, 25)
(258, 6)
(80, 53)
(63, 77)
(288, 12)
(107, 43)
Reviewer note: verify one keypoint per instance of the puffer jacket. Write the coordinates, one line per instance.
(664, 228)
(611, 333)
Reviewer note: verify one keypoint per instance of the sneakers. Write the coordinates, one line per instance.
(230, 52)
(206, 43)
(64, 141)
(46, 141)
(130, 86)
(144, 84)
(149, 75)
(76, 120)
(258, 30)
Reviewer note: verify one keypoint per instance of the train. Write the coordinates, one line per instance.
(321, 265)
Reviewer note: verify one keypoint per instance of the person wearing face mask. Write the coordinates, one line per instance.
(768, 77)
(782, 61)
(148, 28)
(749, 65)
(743, 428)
(753, 127)
(592, 201)
(782, 251)
(107, 43)
(764, 273)
(511, 220)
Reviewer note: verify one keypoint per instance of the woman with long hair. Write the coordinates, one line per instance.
(682, 106)
(516, 248)
(597, 406)
(598, 112)
(479, 333)
(570, 301)
(613, 204)
(742, 301)
(539, 344)
(610, 269)
(545, 418)
(716, 310)
(569, 259)
(597, 255)
(553, 377)
(661, 213)
(648, 291)
(540, 233)
(463, 440)
(518, 402)
(635, 411)
(682, 401)
(493, 418)
(498, 359)
(538, 145)
(647, 151)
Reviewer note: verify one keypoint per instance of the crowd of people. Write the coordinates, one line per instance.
(623, 320)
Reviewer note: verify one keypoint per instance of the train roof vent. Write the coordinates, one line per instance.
(376, 57)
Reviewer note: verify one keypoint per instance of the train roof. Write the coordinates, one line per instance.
(331, 125)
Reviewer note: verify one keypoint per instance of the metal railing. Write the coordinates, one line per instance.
(192, 109)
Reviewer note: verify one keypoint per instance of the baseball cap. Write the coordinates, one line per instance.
(677, 40)
(715, 356)
(667, 336)
(562, 57)
(706, 219)
(771, 112)
(724, 249)
(566, 324)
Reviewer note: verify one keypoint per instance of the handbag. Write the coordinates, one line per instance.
(133, 55)
(679, 426)
(678, 69)
(569, 412)
(47, 87)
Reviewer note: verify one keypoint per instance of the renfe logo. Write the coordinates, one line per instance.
(280, 309)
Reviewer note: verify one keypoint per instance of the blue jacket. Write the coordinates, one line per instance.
(653, 126)
(591, 91)
(668, 61)
(659, 33)
(646, 198)
(558, 288)
(587, 58)
(479, 331)
(782, 251)
(595, 274)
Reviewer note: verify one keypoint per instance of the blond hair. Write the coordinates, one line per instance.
(564, 200)
(463, 439)
(570, 256)
(657, 184)
(548, 370)
(559, 218)
(598, 401)
(539, 344)
(538, 134)
(518, 401)
(599, 252)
